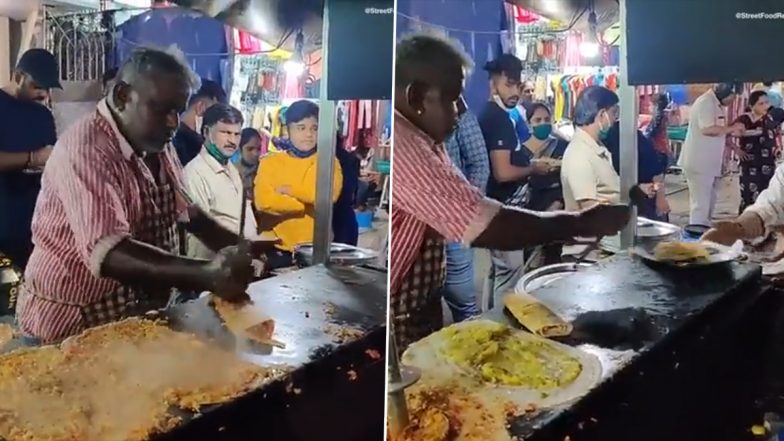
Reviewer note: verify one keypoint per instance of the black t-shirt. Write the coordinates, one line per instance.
(25, 127)
(499, 133)
(187, 142)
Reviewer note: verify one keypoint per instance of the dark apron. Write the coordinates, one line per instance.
(416, 310)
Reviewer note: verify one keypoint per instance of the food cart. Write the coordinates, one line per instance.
(685, 354)
(330, 318)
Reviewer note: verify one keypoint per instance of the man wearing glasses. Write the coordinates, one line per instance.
(27, 134)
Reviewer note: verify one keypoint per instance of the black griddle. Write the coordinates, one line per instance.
(334, 391)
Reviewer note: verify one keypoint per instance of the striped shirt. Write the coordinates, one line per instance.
(429, 191)
(468, 151)
(90, 201)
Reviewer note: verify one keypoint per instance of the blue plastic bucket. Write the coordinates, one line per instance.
(364, 219)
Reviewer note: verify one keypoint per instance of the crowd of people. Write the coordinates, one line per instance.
(139, 203)
(490, 179)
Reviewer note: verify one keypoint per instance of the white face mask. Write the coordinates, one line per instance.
(199, 122)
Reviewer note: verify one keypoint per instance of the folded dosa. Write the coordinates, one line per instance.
(245, 319)
(536, 316)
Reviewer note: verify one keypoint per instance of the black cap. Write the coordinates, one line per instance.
(507, 64)
(41, 65)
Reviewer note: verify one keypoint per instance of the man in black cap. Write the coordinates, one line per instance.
(504, 128)
(27, 134)
(188, 140)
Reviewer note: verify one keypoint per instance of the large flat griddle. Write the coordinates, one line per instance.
(325, 370)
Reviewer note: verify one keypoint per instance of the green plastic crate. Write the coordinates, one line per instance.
(382, 167)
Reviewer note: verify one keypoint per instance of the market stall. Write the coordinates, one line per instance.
(681, 349)
(327, 344)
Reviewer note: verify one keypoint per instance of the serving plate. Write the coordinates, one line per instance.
(718, 255)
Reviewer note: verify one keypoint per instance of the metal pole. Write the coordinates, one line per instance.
(628, 135)
(326, 156)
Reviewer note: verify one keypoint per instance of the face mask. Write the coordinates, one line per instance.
(603, 132)
(199, 122)
(542, 131)
(216, 153)
(501, 104)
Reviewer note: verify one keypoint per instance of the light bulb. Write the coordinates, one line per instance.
(293, 67)
(589, 49)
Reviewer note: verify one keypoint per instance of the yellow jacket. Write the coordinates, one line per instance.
(289, 217)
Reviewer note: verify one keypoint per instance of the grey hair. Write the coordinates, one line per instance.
(150, 59)
(423, 56)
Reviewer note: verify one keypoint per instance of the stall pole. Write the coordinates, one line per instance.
(326, 156)
(628, 160)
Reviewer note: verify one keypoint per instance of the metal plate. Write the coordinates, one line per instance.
(650, 229)
(546, 275)
(719, 254)
(340, 254)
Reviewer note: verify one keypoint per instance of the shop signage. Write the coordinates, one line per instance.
(360, 44)
(704, 41)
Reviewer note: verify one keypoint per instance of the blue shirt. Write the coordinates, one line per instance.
(468, 151)
(24, 127)
(774, 97)
(500, 134)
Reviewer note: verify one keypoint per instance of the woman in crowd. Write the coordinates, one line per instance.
(756, 149)
(544, 191)
(285, 186)
(247, 159)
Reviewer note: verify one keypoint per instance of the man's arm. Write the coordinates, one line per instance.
(10, 161)
(501, 139)
(438, 195)
(503, 169)
(706, 122)
(98, 217)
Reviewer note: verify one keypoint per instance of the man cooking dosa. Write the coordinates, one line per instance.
(766, 212)
(104, 228)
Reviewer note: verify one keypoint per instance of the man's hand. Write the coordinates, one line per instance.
(736, 129)
(742, 155)
(232, 271)
(746, 226)
(258, 247)
(40, 156)
(602, 220)
(724, 233)
(284, 190)
(541, 167)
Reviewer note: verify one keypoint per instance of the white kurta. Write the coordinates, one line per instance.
(702, 156)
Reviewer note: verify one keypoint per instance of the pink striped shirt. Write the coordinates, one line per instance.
(429, 191)
(90, 200)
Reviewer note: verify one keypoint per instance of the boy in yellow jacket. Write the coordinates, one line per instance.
(285, 186)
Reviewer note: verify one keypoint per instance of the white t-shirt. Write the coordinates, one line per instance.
(700, 153)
